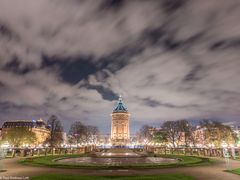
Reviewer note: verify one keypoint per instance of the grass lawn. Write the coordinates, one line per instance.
(190, 160)
(48, 160)
(184, 161)
(236, 171)
(76, 177)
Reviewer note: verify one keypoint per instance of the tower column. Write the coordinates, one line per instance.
(120, 124)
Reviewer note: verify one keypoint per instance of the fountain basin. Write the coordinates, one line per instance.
(128, 154)
(116, 161)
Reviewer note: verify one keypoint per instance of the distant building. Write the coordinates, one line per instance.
(120, 125)
(39, 127)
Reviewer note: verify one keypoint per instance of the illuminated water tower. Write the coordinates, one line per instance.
(120, 124)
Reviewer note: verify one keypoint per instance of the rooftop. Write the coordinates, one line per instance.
(120, 107)
(25, 123)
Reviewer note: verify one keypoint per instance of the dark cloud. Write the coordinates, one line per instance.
(173, 5)
(1, 84)
(154, 36)
(151, 102)
(193, 75)
(106, 94)
(226, 44)
(6, 32)
(111, 4)
(15, 66)
(71, 70)
(119, 59)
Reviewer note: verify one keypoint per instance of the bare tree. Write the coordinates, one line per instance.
(144, 133)
(56, 132)
(78, 132)
(81, 133)
(186, 128)
(172, 131)
(92, 134)
(196, 136)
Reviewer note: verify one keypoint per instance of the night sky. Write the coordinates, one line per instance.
(169, 59)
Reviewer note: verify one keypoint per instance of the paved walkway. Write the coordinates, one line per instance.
(214, 172)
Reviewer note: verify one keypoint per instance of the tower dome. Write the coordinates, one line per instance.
(120, 107)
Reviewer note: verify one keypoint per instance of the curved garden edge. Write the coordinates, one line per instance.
(50, 161)
(164, 176)
(235, 171)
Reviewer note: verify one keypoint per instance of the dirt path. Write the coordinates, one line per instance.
(214, 172)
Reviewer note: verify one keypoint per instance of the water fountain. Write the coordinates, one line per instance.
(117, 157)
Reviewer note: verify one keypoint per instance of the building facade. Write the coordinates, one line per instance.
(120, 125)
(39, 127)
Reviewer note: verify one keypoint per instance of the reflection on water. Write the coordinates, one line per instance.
(117, 160)
(128, 154)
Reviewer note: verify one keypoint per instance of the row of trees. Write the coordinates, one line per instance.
(19, 136)
(78, 134)
(182, 132)
(216, 133)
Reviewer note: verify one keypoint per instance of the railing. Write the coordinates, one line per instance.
(210, 152)
(22, 152)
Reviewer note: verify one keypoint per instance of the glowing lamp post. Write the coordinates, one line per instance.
(233, 151)
(3, 152)
(226, 155)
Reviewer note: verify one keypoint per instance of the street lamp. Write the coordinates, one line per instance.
(226, 155)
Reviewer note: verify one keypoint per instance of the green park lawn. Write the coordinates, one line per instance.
(236, 171)
(49, 161)
(76, 177)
